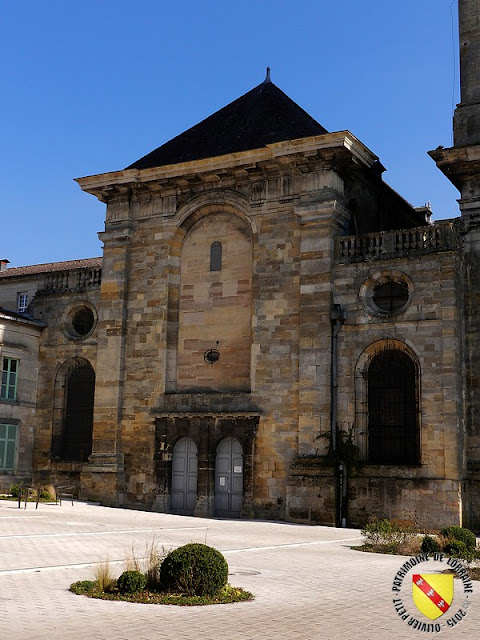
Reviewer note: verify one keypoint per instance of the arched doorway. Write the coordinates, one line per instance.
(229, 478)
(184, 477)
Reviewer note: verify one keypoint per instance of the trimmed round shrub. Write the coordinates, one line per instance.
(430, 545)
(194, 569)
(131, 582)
(456, 549)
(462, 534)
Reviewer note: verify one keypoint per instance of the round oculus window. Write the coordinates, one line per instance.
(79, 321)
(83, 321)
(390, 296)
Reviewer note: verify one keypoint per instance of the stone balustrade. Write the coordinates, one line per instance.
(383, 245)
(75, 280)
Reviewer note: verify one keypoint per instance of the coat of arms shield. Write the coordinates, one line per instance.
(432, 593)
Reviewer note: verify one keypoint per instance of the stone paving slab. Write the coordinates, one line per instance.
(307, 581)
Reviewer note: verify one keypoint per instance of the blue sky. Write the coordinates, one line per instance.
(91, 86)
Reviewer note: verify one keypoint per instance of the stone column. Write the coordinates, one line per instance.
(467, 114)
(249, 427)
(163, 463)
(206, 467)
(461, 165)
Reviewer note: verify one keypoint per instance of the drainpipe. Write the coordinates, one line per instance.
(337, 319)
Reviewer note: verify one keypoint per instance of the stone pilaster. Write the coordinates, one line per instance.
(319, 223)
(103, 476)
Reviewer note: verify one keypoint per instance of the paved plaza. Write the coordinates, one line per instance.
(308, 583)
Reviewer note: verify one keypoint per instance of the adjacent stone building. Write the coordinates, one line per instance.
(272, 331)
(19, 344)
(33, 352)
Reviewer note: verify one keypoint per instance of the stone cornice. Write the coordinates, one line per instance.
(458, 164)
(276, 158)
(116, 237)
(321, 210)
(207, 404)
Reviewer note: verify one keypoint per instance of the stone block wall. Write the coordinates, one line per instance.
(431, 327)
(58, 347)
(312, 492)
(415, 501)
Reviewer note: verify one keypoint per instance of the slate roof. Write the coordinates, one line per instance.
(68, 265)
(262, 116)
(25, 318)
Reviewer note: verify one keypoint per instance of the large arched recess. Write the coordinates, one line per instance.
(387, 404)
(210, 308)
(73, 411)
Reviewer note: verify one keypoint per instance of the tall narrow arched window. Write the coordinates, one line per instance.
(73, 411)
(216, 256)
(79, 413)
(393, 421)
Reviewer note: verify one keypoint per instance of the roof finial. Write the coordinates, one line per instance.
(267, 77)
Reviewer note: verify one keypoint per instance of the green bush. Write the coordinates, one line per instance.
(462, 535)
(430, 545)
(377, 532)
(194, 569)
(132, 582)
(385, 534)
(14, 490)
(48, 492)
(84, 587)
(456, 549)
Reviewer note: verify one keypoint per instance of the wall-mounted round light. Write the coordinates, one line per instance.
(211, 356)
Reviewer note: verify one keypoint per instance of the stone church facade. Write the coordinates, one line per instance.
(272, 331)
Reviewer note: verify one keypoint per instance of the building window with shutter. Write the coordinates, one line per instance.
(8, 446)
(8, 388)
